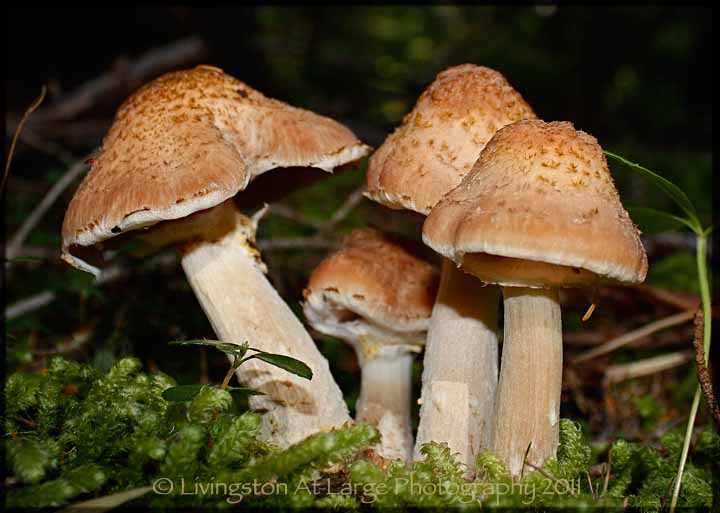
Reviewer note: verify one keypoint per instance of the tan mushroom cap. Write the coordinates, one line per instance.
(539, 209)
(372, 288)
(441, 138)
(186, 142)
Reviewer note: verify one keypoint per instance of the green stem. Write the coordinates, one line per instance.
(230, 373)
(707, 326)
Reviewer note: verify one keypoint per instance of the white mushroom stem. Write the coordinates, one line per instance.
(228, 279)
(461, 364)
(528, 399)
(385, 392)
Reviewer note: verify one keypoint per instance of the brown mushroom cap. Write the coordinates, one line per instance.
(539, 209)
(187, 141)
(441, 138)
(372, 288)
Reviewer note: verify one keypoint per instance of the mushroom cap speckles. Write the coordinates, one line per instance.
(186, 142)
(441, 138)
(539, 209)
(372, 287)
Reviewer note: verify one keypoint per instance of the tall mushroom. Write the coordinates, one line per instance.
(179, 150)
(378, 296)
(539, 211)
(421, 161)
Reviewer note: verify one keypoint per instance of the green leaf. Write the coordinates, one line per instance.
(284, 362)
(673, 191)
(242, 391)
(181, 392)
(238, 350)
(657, 221)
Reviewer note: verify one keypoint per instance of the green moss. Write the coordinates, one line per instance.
(73, 433)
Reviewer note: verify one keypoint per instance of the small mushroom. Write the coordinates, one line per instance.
(377, 296)
(422, 160)
(539, 211)
(179, 150)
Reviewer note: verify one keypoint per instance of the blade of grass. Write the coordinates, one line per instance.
(701, 255)
(669, 188)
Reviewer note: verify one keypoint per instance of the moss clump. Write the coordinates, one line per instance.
(74, 434)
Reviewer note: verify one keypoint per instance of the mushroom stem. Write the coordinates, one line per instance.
(461, 364)
(228, 279)
(384, 401)
(527, 410)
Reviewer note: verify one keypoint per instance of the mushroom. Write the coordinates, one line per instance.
(539, 211)
(179, 150)
(377, 296)
(420, 162)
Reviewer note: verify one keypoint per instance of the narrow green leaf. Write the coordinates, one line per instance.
(242, 391)
(238, 350)
(182, 392)
(673, 191)
(657, 221)
(284, 362)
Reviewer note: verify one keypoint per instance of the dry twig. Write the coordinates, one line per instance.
(125, 76)
(632, 336)
(39, 211)
(625, 371)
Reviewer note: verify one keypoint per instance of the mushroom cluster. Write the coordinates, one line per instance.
(514, 205)
(424, 159)
(539, 211)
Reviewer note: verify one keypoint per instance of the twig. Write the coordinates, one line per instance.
(292, 214)
(623, 372)
(551, 477)
(33, 106)
(39, 211)
(341, 213)
(126, 75)
(702, 370)
(29, 304)
(48, 147)
(632, 336)
(296, 243)
(680, 301)
(109, 274)
(608, 467)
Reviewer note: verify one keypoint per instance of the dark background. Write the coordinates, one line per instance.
(638, 78)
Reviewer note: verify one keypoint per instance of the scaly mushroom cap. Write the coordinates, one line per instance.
(186, 142)
(371, 290)
(441, 138)
(539, 209)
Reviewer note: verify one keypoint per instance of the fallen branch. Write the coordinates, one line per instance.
(125, 76)
(635, 335)
(702, 370)
(39, 211)
(29, 304)
(680, 301)
(646, 367)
